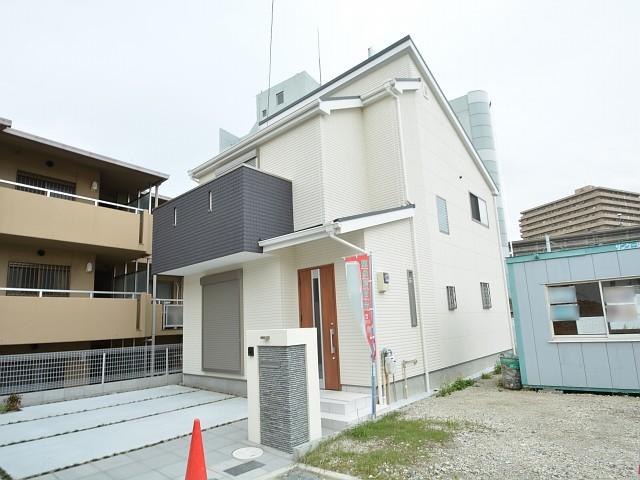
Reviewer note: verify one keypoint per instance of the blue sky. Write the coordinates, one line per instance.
(151, 81)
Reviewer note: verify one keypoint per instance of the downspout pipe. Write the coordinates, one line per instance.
(405, 186)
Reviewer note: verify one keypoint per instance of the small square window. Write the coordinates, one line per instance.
(452, 301)
(264, 113)
(479, 209)
(280, 98)
(486, 295)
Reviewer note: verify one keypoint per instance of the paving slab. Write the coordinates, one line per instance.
(91, 403)
(57, 425)
(45, 455)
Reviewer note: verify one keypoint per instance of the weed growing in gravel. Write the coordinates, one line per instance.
(11, 404)
(486, 376)
(374, 449)
(459, 384)
(497, 370)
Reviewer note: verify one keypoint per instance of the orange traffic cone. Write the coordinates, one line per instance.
(196, 468)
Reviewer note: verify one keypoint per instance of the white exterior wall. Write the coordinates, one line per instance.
(392, 250)
(401, 67)
(438, 164)
(296, 155)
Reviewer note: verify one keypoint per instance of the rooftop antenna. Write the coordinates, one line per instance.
(270, 45)
(319, 64)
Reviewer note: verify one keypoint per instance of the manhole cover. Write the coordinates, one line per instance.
(247, 453)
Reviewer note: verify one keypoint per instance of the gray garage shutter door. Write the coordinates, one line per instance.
(222, 322)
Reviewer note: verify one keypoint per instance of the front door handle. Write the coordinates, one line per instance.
(333, 348)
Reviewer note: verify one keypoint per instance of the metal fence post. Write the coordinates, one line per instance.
(104, 365)
(166, 362)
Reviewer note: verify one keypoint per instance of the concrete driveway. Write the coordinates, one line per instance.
(51, 437)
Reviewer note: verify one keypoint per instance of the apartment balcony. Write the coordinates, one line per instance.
(28, 212)
(32, 316)
(221, 222)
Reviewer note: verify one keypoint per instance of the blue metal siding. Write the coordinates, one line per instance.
(599, 366)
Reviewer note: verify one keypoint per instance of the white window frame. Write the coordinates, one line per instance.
(486, 299)
(589, 338)
(481, 202)
(452, 300)
(446, 214)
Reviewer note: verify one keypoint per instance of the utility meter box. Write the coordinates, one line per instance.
(283, 389)
(382, 281)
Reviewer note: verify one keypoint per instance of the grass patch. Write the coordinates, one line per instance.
(459, 384)
(374, 449)
(497, 370)
(486, 376)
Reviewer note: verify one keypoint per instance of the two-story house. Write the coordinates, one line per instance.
(75, 241)
(376, 159)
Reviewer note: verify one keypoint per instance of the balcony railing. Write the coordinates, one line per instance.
(47, 292)
(58, 194)
(171, 312)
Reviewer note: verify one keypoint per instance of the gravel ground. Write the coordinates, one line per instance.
(531, 435)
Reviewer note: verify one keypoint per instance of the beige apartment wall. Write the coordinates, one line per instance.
(79, 278)
(30, 215)
(29, 320)
(12, 160)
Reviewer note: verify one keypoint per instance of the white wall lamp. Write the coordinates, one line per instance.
(89, 267)
(94, 186)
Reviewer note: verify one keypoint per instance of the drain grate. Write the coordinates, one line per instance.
(243, 468)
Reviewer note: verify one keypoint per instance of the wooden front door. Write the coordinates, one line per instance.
(317, 304)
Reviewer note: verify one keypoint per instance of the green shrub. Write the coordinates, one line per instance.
(459, 384)
(12, 403)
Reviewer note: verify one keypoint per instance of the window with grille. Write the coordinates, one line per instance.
(38, 276)
(452, 302)
(486, 295)
(45, 182)
(443, 215)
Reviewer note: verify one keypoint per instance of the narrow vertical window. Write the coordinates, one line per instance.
(486, 295)
(452, 302)
(280, 98)
(175, 216)
(443, 215)
(479, 209)
(412, 298)
(210, 201)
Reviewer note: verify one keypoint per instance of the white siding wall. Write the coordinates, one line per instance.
(401, 67)
(392, 248)
(296, 155)
(344, 164)
(438, 164)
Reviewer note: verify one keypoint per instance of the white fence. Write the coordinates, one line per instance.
(45, 371)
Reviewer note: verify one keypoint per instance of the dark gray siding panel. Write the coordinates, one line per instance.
(248, 206)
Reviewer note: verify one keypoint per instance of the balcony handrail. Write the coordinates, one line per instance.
(168, 300)
(90, 293)
(96, 202)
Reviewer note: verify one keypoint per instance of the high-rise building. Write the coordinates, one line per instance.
(589, 209)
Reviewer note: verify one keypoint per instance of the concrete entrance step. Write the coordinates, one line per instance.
(339, 410)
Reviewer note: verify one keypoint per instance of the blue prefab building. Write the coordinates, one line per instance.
(577, 317)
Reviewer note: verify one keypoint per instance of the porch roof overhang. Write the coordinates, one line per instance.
(337, 227)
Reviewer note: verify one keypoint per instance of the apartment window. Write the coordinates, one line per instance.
(452, 301)
(38, 276)
(264, 113)
(45, 182)
(210, 201)
(443, 216)
(413, 311)
(175, 216)
(595, 308)
(485, 292)
(479, 209)
(280, 98)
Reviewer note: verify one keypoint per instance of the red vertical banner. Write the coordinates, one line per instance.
(364, 266)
